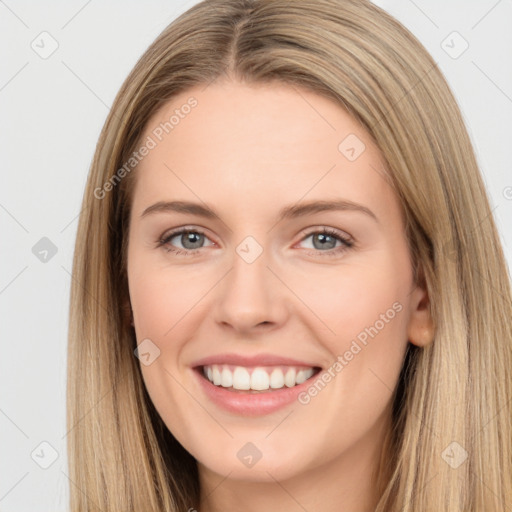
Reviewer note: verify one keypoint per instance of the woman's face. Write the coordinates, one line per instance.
(295, 266)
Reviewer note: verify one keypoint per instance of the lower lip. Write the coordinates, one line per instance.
(251, 404)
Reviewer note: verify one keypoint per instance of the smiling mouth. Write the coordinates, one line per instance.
(257, 379)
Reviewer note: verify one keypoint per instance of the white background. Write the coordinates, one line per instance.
(52, 111)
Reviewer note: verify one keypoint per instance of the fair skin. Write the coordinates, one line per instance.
(247, 152)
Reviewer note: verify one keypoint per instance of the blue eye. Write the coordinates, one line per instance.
(192, 240)
(325, 242)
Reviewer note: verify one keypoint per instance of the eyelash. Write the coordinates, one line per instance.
(165, 239)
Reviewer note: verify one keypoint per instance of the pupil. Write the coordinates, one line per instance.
(324, 240)
(189, 238)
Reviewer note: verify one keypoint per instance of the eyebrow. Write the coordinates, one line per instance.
(288, 212)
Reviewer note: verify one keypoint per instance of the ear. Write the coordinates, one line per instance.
(420, 330)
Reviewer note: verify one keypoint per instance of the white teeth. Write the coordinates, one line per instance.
(241, 378)
(260, 379)
(257, 379)
(289, 378)
(308, 373)
(303, 375)
(300, 377)
(226, 378)
(277, 379)
(217, 379)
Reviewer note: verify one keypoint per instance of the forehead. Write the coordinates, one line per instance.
(244, 144)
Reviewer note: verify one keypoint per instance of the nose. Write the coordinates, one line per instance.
(250, 297)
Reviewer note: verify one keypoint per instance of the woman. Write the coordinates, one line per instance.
(229, 363)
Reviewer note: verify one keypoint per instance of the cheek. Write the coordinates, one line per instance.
(162, 303)
(354, 298)
(161, 299)
(155, 306)
(364, 314)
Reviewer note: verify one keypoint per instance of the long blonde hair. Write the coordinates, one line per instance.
(454, 396)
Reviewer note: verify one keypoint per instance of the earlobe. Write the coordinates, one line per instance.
(420, 330)
(422, 338)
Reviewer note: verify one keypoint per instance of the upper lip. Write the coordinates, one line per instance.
(254, 360)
